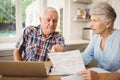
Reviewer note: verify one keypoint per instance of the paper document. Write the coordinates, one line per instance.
(69, 62)
(99, 70)
(72, 77)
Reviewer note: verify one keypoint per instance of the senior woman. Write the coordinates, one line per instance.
(105, 44)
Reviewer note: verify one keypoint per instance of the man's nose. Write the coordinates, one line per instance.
(51, 22)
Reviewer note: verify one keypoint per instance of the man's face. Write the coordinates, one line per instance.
(49, 22)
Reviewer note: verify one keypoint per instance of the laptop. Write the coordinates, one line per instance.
(23, 68)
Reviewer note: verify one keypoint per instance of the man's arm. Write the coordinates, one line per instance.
(57, 48)
(16, 55)
(60, 44)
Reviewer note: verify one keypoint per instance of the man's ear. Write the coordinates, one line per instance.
(109, 23)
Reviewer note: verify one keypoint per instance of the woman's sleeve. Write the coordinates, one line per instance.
(88, 54)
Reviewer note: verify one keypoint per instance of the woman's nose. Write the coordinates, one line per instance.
(91, 24)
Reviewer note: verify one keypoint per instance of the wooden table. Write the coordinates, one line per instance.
(30, 78)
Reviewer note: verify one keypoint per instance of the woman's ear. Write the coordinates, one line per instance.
(109, 24)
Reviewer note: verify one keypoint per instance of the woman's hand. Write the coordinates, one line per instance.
(89, 75)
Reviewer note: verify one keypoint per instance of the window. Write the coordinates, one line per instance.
(12, 19)
(7, 19)
(16, 14)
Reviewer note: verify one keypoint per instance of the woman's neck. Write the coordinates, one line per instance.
(106, 33)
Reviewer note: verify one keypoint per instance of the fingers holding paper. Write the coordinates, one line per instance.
(57, 48)
(88, 75)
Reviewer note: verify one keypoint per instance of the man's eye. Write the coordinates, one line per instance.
(54, 20)
(48, 20)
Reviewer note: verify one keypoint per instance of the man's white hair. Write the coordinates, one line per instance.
(49, 9)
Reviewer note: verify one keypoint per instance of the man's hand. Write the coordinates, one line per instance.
(57, 48)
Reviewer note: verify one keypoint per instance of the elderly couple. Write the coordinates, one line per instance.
(36, 42)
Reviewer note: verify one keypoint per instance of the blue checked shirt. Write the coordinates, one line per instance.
(109, 58)
(33, 46)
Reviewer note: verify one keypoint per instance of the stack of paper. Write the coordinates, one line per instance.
(72, 77)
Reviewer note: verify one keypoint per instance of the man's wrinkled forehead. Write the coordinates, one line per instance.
(51, 14)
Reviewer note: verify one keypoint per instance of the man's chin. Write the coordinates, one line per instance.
(50, 32)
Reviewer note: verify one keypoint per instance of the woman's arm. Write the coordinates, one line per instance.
(109, 76)
(92, 75)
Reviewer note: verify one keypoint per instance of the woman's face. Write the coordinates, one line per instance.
(97, 25)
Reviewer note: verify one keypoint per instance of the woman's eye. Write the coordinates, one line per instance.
(93, 20)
